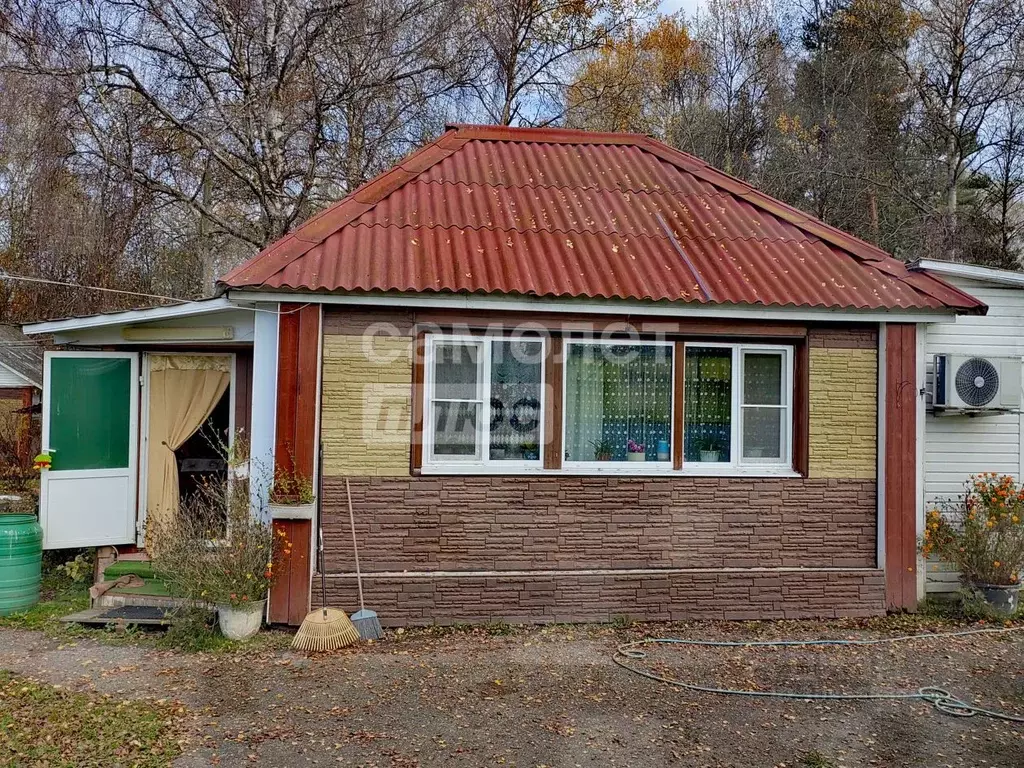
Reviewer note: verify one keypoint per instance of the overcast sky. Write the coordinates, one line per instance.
(671, 6)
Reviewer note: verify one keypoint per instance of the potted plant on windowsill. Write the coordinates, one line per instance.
(291, 496)
(710, 452)
(982, 535)
(635, 451)
(530, 451)
(603, 449)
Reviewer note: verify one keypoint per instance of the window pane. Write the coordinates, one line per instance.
(618, 396)
(762, 432)
(455, 429)
(708, 411)
(515, 400)
(762, 379)
(455, 371)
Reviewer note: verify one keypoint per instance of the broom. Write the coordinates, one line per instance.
(366, 622)
(328, 628)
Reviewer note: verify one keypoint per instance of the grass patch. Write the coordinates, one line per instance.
(60, 596)
(48, 726)
(192, 631)
(815, 759)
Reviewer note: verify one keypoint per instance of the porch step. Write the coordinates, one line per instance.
(118, 598)
(145, 615)
(141, 568)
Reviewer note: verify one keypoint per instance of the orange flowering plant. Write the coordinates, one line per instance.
(982, 532)
(214, 550)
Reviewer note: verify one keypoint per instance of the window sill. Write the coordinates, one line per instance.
(635, 469)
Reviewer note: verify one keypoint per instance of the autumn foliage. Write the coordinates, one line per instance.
(982, 533)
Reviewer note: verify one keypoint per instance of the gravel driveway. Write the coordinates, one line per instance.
(553, 697)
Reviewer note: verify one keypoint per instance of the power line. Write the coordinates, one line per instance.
(47, 281)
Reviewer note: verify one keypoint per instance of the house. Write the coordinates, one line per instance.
(568, 376)
(21, 383)
(956, 440)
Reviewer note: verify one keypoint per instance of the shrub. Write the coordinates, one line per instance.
(291, 488)
(215, 550)
(80, 569)
(981, 533)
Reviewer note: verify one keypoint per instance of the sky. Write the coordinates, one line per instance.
(688, 6)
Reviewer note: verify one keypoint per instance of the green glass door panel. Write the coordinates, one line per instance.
(90, 412)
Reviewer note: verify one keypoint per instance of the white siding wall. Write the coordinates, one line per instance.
(956, 447)
(9, 378)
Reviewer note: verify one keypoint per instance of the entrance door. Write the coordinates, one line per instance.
(90, 427)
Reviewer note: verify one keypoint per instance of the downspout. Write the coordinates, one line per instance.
(880, 471)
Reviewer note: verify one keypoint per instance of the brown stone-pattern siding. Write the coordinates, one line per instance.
(581, 598)
(843, 337)
(521, 523)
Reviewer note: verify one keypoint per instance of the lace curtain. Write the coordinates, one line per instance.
(614, 394)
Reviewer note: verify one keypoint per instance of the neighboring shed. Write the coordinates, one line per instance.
(21, 383)
(955, 446)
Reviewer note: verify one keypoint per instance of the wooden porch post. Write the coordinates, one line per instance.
(295, 450)
(900, 462)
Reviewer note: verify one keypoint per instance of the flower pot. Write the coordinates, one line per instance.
(709, 456)
(604, 457)
(240, 623)
(637, 456)
(1001, 598)
(292, 511)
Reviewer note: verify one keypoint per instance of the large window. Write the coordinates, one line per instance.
(738, 405)
(484, 401)
(618, 402)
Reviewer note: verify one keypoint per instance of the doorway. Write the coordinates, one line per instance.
(189, 411)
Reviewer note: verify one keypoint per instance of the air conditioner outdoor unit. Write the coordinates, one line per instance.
(977, 384)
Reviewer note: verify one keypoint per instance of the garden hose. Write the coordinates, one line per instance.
(939, 698)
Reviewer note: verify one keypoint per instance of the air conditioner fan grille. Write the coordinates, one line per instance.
(977, 382)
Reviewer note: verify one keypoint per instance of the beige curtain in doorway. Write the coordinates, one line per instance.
(183, 391)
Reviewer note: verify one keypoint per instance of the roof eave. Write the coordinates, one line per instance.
(970, 272)
(589, 305)
(105, 320)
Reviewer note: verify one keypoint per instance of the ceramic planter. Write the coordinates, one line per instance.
(636, 456)
(709, 456)
(240, 623)
(292, 511)
(1001, 598)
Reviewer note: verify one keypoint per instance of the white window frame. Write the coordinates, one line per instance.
(483, 461)
(621, 467)
(737, 464)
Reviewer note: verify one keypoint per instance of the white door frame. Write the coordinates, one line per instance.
(133, 452)
(140, 524)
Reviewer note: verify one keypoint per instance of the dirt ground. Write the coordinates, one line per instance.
(553, 697)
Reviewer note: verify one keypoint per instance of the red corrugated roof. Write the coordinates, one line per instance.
(560, 213)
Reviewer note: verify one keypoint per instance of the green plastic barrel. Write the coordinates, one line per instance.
(21, 558)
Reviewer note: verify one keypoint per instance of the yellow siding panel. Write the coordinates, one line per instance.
(367, 406)
(843, 432)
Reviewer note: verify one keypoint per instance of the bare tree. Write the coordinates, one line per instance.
(963, 63)
(251, 115)
(741, 43)
(529, 50)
